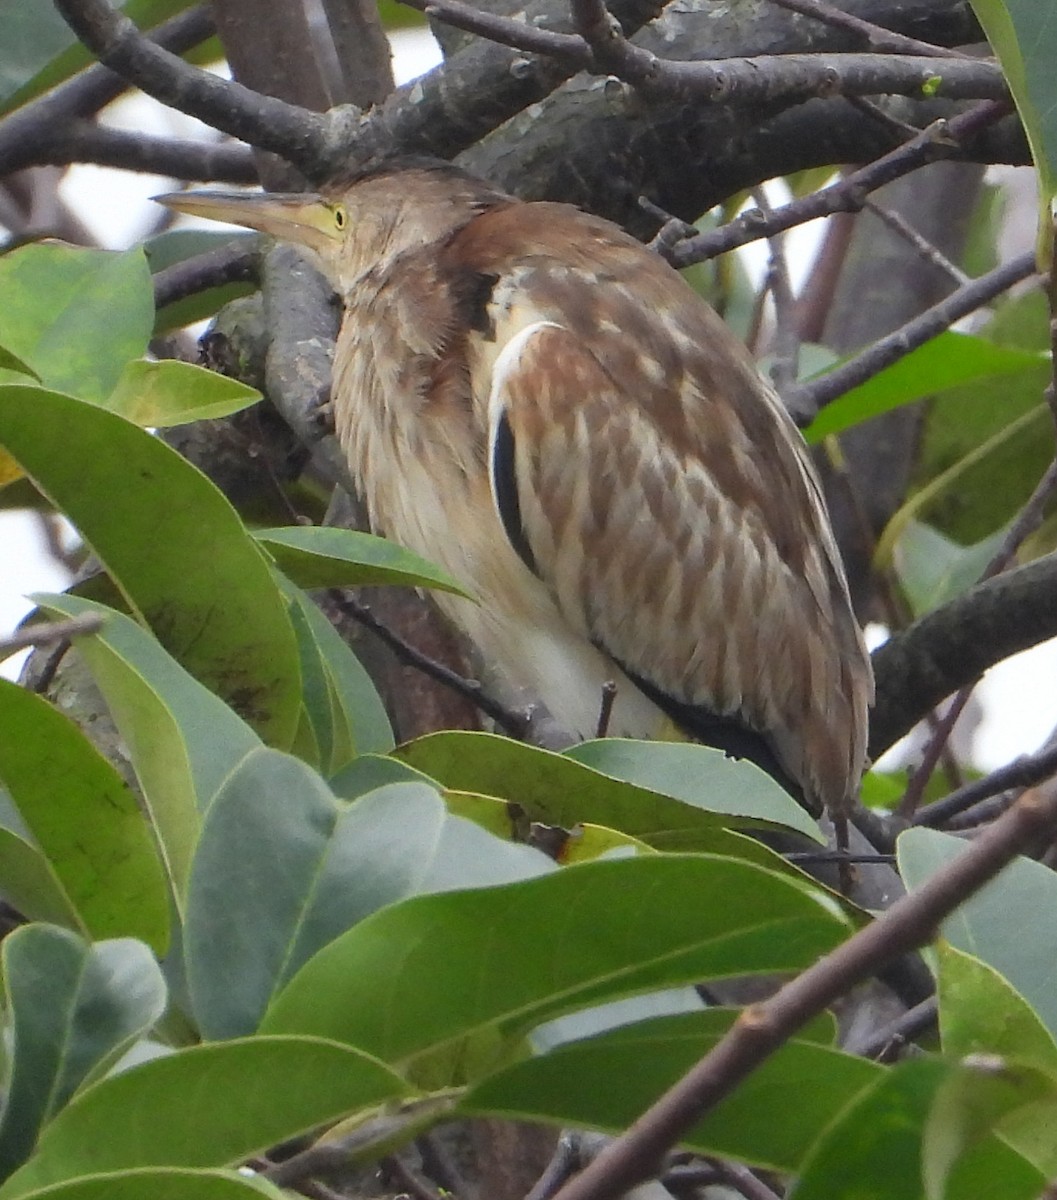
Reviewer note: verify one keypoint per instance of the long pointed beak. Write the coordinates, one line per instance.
(301, 218)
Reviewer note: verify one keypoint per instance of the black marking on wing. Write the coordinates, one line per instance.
(726, 733)
(504, 488)
(472, 293)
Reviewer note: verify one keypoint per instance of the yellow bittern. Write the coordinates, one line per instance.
(540, 404)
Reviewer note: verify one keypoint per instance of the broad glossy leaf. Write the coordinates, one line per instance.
(606, 1082)
(501, 960)
(162, 394)
(11, 362)
(1023, 34)
(84, 819)
(251, 926)
(182, 740)
(989, 491)
(698, 775)
(874, 1149)
(982, 1013)
(981, 1094)
(318, 556)
(991, 924)
(40, 50)
(28, 883)
(73, 1008)
(76, 316)
(933, 569)
(161, 1183)
(947, 361)
(207, 1106)
(558, 790)
(348, 709)
(171, 542)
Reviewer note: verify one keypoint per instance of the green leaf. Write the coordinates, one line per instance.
(162, 394)
(1002, 447)
(39, 50)
(349, 716)
(250, 928)
(494, 963)
(877, 1144)
(181, 739)
(171, 542)
(76, 316)
(933, 569)
(320, 556)
(981, 1094)
(991, 924)
(206, 1106)
(991, 489)
(11, 362)
(166, 1183)
(29, 884)
(694, 791)
(85, 820)
(697, 775)
(982, 1013)
(947, 361)
(1023, 35)
(606, 1082)
(74, 1008)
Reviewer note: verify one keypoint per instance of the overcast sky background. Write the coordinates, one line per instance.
(1018, 696)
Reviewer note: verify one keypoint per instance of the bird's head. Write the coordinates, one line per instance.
(359, 223)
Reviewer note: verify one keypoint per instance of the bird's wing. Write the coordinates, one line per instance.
(669, 505)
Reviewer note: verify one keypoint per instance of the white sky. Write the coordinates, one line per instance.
(1019, 696)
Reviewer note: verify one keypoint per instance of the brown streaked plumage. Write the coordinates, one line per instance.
(535, 401)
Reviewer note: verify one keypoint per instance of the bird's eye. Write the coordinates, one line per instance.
(341, 218)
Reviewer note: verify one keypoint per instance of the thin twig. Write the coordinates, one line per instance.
(564, 1162)
(876, 36)
(939, 140)
(1026, 771)
(47, 634)
(892, 1037)
(605, 708)
(762, 1028)
(415, 1187)
(923, 246)
(516, 723)
(817, 393)
(741, 1179)
(786, 342)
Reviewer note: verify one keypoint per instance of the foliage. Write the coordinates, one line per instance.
(274, 891)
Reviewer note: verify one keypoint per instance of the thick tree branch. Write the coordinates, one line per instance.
(601, 49)
(27, 134)
(87, 142)
(762, 1028)
(234, 263)
(954, 645)
(302, 136)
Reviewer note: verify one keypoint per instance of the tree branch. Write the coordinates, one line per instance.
(28, 132)
(301, 136)
(762, 1028)
(954, 645)
(810, 397)
(87, 142)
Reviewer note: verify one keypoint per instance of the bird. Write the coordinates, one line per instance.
(537, 402)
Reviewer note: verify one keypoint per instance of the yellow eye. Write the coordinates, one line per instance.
(341, 217)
